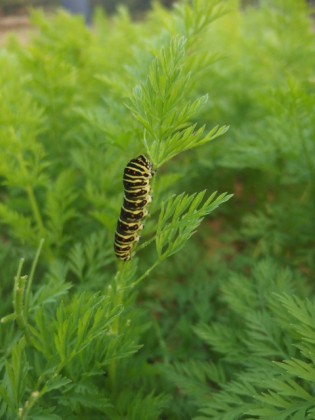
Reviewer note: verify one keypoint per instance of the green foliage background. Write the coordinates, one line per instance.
(220, 325)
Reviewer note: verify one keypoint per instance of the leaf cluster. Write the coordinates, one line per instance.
(213, 316)
(71, 117)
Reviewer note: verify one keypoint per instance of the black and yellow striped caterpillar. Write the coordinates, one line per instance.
(136, 180)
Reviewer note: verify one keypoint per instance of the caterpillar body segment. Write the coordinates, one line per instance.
(137, 195)
(123, 227)
(133, 216)
(135, 204)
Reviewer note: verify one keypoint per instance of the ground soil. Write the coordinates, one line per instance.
(18, 26)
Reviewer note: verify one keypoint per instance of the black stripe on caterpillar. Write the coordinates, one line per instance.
(137, 195)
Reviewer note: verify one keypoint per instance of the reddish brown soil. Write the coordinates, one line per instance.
(14, 25)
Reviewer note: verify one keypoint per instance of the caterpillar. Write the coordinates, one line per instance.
(137, 189)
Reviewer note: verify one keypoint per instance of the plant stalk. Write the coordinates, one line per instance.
(112, 371)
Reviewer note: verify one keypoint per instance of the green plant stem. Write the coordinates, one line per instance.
(31, 196)
(31, 276)
(35, 209)
(145, 274)
(18, 300)
(8, 318)
(115, 332)
(23, 411)
(38, 217)
(145, 244)
(112, 371)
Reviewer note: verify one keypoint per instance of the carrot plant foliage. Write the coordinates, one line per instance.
(214, 315)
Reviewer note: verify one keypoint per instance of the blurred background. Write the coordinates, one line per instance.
(11, 7)
(14, 13)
